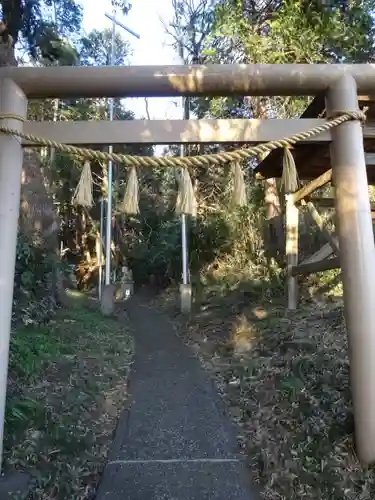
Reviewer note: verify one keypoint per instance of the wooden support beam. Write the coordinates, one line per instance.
(317, 183)
(324, 252)
(315, 216)
(315, 267)
(370, 159)
(330, 203)
(323, 202)
(177, 131)
(366, 98)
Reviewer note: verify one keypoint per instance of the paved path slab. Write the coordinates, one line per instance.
(14, 485)
(175, 443)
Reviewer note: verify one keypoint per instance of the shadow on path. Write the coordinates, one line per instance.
(175, 442)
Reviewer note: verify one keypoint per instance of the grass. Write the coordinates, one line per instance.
(67, 386)
(285, 378)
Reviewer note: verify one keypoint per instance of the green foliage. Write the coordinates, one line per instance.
(233, 31)
(160, 253)
(52, 49)
(33, 298)
(65, 391)
(22, 411)
(95, 49)
(224, 245)
(293, 31)
(62, 171)
(28, 22)
(222, 31)
(31, 350)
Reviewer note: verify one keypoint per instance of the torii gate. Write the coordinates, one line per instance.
(340, 83)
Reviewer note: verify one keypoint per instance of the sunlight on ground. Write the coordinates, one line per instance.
(75, 294)
(244, 335)
(260, 313)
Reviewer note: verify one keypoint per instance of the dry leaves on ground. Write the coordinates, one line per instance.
(287, 386)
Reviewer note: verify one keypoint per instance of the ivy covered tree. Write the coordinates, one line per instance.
(42, 36)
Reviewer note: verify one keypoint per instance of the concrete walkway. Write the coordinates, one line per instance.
(175, 443)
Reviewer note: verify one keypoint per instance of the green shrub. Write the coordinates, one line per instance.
(34, 298)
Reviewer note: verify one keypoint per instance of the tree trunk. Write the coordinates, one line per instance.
(274, 234)
(37, 215)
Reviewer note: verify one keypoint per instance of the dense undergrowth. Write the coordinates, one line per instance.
(67, 385)
(34, 298)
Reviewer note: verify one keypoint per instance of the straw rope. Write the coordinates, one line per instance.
(187, 161)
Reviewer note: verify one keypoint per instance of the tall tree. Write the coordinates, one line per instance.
(45, 40)
(95, 49)
(273, 31)
(28, 23)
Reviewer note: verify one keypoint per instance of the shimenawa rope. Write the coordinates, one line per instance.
(186, 161)
(186, 202)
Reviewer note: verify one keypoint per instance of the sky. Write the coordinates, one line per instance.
(145, 18)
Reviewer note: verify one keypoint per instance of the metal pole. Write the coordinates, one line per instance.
(357, 258)
(12, 102)
(116, 21)
(184, 242)
(110, 175)
(185, 288)
(110, 149)
(185, 116)
(185, 265)
(100, 256)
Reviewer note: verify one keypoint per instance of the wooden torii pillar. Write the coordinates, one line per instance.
(357, 258)
(356, 255)
(12, 102)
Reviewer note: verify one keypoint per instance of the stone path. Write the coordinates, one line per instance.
(175, 443)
